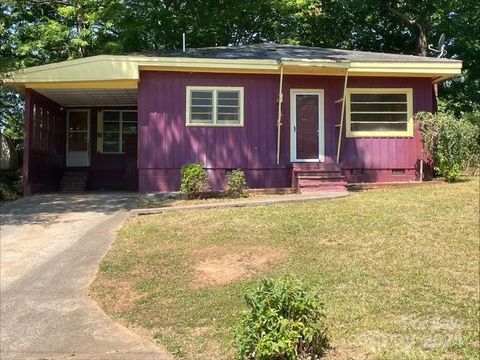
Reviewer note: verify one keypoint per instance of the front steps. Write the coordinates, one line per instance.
(315, 177)
(74, 180)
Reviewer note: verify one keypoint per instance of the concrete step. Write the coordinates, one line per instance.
(74, 180)
(318, 173)
(323, 186)
(315, 166)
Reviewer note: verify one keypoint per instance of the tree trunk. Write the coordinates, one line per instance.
(80, 28)
(421, 42)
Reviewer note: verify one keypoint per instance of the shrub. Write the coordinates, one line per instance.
(193, 180)
(10, 184)
(284, 320)
(449, 141)
(474, 158)
(236, 184)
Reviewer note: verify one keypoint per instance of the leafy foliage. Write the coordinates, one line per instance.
(193, 181)
(284, 320)
(450, 141)
(35, 32)
(236, 184)
(10, 184)
(474, 151)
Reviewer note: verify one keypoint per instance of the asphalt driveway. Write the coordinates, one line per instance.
(50, 247)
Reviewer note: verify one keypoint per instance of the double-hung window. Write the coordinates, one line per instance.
(379, 112)
(117, 125)
(214, 106)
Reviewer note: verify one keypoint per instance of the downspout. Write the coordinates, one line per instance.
(341, 117)
(279, 118)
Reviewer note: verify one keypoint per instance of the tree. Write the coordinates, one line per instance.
(43, 31)
(406, 27)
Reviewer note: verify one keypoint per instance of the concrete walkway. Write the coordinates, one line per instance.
(274, 200)
(50, 247)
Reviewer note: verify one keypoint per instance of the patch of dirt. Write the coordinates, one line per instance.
(115, 296)
(222, 265)
(344, 352)
(201, 330)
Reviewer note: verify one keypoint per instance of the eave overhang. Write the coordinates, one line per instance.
(120, 71)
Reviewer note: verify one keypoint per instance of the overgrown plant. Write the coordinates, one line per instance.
(284, 320)
(10, 184)
(449, 141)
(236, 184)
(194, 181)
(474, 158)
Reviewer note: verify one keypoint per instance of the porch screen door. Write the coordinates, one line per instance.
(307, 127)
(78, 138)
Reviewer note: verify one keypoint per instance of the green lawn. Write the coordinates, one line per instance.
(398, 270)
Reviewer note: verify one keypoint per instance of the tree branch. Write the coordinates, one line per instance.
(51, 2)
(404, 18)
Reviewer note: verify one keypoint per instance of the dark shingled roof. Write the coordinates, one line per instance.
(271, 51)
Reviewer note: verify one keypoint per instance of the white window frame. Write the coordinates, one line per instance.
(381, 133)
(120, 132)
(215, 90)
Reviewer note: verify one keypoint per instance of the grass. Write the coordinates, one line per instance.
(398, 270)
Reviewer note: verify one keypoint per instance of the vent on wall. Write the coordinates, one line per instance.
(398, 172)
(356, 171)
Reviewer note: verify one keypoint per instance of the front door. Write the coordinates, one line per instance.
(78, 138)
(307, 129)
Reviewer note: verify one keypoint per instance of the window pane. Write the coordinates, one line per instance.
(230, 98)
(228, 118)
(111, 136)
(109, 126)
(130, 116)
(204, 97)
(378, 107)
(111, 147)
(129, 128)
(77, 121)
(199, 118)
(77, 141)
(202, 101)
(378, 97)
(228, 107)
(201, 109)
(379, 127)
(375, 117)
(111, 116)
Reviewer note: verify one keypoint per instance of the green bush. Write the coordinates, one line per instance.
(474, 158)
(194, 181)
(236, 184)
(449, 141)
(284, 320)
(10, 184)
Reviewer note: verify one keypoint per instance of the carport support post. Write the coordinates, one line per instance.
(27, 131)
(344, 99)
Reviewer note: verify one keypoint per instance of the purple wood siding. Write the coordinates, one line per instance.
(44, 143)
(388, 153)
(112, 171)
(165, 143)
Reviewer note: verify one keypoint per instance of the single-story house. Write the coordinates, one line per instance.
(306, 117)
